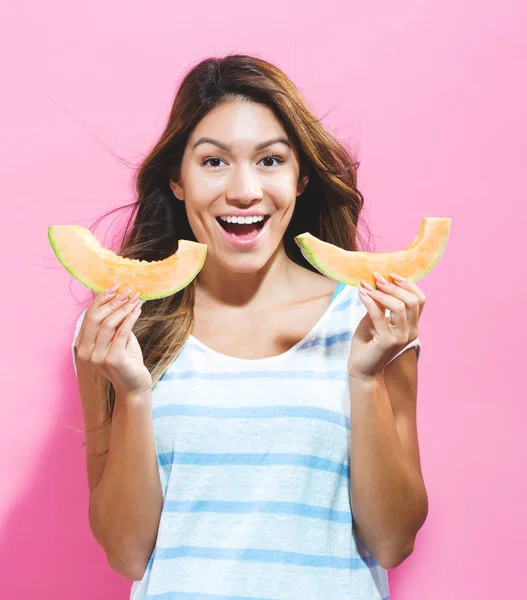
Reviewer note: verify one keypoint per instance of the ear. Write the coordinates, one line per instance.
(302, 184)
(177, 189)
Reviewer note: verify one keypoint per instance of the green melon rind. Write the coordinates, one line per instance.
(99, 290)
(310, 256)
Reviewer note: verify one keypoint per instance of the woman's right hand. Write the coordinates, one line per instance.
(106, 342)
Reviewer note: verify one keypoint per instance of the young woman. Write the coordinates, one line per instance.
(254, 435)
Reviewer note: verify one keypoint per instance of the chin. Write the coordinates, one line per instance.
(245, 264)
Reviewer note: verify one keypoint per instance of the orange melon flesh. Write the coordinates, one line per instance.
(98, 268)
(349, 267)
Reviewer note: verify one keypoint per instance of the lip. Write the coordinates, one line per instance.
(232, 241)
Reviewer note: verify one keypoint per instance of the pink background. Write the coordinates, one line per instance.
(432, 94)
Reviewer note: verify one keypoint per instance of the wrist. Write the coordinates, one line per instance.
(134, 398)
(355, 379)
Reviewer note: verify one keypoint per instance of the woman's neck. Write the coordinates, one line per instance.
(217, 284)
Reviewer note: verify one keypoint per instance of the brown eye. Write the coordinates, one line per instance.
(206, 160)
(277, 158)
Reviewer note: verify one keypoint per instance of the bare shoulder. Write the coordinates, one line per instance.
(314, 286)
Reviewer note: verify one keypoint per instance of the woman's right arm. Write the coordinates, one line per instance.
(125, 494)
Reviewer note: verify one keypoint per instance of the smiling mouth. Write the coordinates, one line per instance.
(242, 229)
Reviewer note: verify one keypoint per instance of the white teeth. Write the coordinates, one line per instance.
(243, 220)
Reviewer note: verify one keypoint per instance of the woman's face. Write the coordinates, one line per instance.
(227, 176)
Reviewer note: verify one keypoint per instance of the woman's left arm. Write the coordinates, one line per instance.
(387, 492)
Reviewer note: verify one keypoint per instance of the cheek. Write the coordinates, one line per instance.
(282, 189)
(198, 214)
(201, 185)
(201, 193)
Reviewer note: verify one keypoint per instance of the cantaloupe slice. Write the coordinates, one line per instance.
(98, 268)
(349, 267)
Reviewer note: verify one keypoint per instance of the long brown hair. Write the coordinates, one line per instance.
(329, 207)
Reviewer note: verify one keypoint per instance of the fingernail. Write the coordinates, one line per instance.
(380, 278)
(397, 278)
(113, 289)
(366, 285)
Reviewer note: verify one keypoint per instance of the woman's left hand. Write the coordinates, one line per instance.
(379, 338)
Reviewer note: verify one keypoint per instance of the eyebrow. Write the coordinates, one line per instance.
(261, 146)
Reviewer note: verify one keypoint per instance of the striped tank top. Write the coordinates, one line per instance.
(253, 456)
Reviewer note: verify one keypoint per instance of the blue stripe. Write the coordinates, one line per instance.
(260, 555)
(232, 375)
(258, 412)
(338, 289)
(259, 459)
(345, 304)
(327, 341)
(290, 508)
(199, 596)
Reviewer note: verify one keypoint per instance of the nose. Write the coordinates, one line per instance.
(244, 186)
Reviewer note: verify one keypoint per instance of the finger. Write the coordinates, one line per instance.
(376, 312)
(387, 300)
(103, 305)
(398, 313)
(409, 298)
(107, 329)
(412, 301)
(410, 285)
(103, 299)
(123, 332)
(107, 295)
